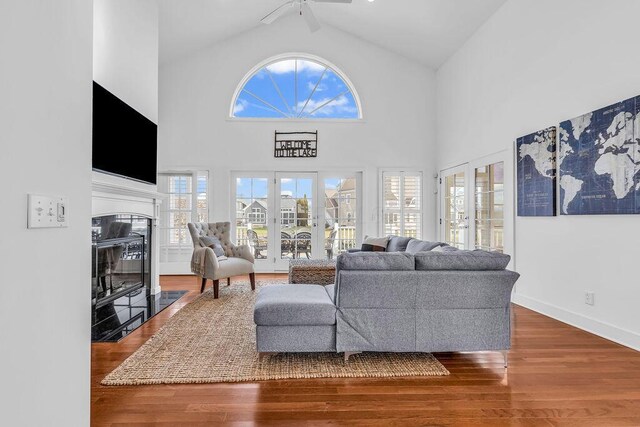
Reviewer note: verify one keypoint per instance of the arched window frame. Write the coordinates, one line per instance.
(290, 56)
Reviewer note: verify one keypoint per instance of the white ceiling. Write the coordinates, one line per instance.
(428, 31)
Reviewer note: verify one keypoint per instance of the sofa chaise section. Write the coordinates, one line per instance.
(294, 319)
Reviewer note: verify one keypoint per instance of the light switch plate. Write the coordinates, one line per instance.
(47, 211)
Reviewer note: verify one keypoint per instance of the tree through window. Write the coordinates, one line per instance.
(296, 88)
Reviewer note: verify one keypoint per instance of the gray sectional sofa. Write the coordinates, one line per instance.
(393, 302)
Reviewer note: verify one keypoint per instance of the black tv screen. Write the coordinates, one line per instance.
(124, 141)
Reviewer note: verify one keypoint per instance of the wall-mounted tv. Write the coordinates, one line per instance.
(125, 142)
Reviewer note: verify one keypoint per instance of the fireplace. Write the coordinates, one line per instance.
(125, 287)
(119, 257)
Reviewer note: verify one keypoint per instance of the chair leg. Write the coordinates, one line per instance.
(228, 281)
(252, 278)
(204, 283)
(216, 288)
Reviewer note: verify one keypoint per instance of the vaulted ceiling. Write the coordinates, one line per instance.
(428, 31)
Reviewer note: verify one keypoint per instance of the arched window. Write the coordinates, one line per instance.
(296, 87)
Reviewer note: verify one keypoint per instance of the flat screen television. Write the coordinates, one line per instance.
(125, 143)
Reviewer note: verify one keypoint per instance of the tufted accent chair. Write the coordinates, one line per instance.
(238, 260)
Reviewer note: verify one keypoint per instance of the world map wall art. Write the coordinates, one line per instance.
(536, 171)
(599, 161)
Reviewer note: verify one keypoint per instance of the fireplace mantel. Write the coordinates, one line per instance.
(111, 195)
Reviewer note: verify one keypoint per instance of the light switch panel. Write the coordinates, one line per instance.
(47, 211)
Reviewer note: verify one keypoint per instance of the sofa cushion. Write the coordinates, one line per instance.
(376, 261)
(461, 260)
(375, 244)
(294, 305)
(416, 246)
(444, 248)
(331, 290)
(398, 243)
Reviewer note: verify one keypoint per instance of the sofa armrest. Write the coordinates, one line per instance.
(243, 251)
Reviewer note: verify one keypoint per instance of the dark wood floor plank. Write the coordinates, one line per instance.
(558, 376)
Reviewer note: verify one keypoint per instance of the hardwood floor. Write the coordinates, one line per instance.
(558, 376)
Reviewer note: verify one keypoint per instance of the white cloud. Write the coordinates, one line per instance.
(320, 88)
(339, 106)
(289, 66)
(240, 106)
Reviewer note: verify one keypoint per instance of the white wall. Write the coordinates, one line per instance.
(532, 65)
(125, 56)
(398, 130)
(45, 147)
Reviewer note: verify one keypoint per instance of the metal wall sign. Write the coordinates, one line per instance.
(296, 144)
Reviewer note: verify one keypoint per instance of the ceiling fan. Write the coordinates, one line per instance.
(305, 12)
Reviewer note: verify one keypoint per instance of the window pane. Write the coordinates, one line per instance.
(340, 212)
(296, 87)
(403, 191)
(392, 191)
(392, 223)
(412, 192)
(252, 213)
(180, 202)
(489, 207)
(412, 225)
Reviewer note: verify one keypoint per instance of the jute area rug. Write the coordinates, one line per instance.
(211, 341)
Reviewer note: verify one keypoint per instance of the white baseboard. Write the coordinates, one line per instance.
(605, 330)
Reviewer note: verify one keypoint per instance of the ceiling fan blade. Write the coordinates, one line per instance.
(308, 16)
(332, 1)
(277, 13)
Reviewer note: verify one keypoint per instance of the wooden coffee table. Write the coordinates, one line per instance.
(312, 271)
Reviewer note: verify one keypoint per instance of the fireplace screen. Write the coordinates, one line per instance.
(120, 257)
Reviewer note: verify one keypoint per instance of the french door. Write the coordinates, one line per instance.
(296, 215)
(454, 196)
(476, 209)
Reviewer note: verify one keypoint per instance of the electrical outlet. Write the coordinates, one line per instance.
(589, 298)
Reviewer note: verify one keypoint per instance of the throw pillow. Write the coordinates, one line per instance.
(398, 243)
(375, 244)
(213, 243)
(414, 246)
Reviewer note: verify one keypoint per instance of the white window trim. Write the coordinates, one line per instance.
(295, 55)
(401, 209)
(194, 198)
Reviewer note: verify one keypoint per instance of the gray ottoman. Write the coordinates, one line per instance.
(296, 319)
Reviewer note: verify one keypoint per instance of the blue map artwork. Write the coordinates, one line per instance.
(536, 171)
(599, 161)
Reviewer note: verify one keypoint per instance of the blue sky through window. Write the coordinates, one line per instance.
(296, 88)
